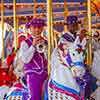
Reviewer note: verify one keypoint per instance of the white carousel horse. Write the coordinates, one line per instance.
(62, 84)
(96, 63)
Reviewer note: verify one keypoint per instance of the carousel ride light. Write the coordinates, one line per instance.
(57, 6)
(22, 6)
(10, 7)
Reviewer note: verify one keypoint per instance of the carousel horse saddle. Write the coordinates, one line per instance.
(18, 92)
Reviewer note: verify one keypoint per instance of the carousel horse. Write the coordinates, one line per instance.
(95, 69)
(62, 84)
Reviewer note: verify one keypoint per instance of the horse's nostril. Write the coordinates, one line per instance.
(78, 52)
(73, 54)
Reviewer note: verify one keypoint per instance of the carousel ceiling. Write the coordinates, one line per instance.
(25, 9)
(31, 1)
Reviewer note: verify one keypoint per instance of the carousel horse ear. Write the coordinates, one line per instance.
(76, 42)
(83, 43)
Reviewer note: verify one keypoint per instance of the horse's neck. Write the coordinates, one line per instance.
(62, 74)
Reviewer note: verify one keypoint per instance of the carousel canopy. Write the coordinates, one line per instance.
(25, 10)
(25, 7)
(31, 1)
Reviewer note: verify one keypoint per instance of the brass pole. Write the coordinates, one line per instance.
(51, 19)
(49, 28)
(50, 16)
(2, 25)
(34, 8)
(15, 25)
(65, 14)
(89, 54)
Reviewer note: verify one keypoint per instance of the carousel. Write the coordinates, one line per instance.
(62, 82)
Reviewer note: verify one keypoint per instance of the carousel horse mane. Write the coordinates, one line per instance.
(76, 56)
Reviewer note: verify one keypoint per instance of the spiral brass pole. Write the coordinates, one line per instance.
(2, 25)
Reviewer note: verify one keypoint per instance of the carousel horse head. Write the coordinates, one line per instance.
(79, 61)
(75, 55)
